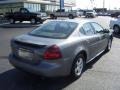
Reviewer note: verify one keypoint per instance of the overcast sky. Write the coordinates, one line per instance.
(84, 4)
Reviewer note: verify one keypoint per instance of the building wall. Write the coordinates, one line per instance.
(34, 5)
(43, 7)
(10, 7)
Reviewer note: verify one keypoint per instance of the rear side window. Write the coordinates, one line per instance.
(88, 30)
(82, 30)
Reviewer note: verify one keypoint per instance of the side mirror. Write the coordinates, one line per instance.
(106, 31)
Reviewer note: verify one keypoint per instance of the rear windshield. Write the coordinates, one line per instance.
(55, 29)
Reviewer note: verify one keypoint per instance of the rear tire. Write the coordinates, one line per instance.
(71, 17)
(12, 21)
(108, 48)
(21, 21)
(116, 29)
(33, 21)
(53, 16)
(78, 66)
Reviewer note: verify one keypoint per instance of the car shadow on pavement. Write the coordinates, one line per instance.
(90, 64)
(17, 80)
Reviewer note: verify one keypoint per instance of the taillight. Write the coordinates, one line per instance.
(52, 53)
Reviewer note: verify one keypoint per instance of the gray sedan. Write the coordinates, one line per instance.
(60, 47)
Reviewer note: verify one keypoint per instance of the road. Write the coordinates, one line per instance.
(101, 74)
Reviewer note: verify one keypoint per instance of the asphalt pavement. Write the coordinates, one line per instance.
(101, 74)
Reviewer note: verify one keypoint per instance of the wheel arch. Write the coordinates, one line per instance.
(71, 15)
(84, 53)
(116, 25)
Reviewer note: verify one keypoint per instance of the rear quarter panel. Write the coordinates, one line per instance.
(71, 48)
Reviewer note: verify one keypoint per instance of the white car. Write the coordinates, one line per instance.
(115, 25)
(91, 13)
(63, 13)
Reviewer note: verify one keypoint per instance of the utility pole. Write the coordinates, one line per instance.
(61, 4)
(109, 5)
(103, 5)
(92, 3)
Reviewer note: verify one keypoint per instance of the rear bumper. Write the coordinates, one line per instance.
(43, 68)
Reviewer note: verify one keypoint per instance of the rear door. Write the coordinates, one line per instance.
(91, 39)
(103, 36)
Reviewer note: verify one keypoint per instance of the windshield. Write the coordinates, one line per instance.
(55, 29)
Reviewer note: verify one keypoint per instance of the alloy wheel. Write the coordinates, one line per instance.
(109, 44)
(11, 20)
(33, 21)
(78, 68)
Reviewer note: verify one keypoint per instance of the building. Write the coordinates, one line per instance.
(34, 5)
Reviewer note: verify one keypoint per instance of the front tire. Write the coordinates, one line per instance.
(116, 29)
(78, 66)
(109, 45)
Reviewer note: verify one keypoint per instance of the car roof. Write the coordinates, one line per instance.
(79, 21)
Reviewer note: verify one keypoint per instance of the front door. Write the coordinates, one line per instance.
(92, 40)
(103, 36)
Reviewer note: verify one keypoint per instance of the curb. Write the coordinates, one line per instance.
(18, 25)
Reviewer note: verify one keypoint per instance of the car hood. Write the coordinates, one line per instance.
(38, 40)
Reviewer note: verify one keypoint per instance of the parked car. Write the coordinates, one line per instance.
(60, 47)
(63, 13)
(25, 15)
(115, 25)
(90, 14)
(116, 14)
(103, 14)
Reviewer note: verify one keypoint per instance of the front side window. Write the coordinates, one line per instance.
(55, 29)
(97, 27)
(88, 29)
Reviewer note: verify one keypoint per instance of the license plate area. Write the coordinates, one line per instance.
(25, 54)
